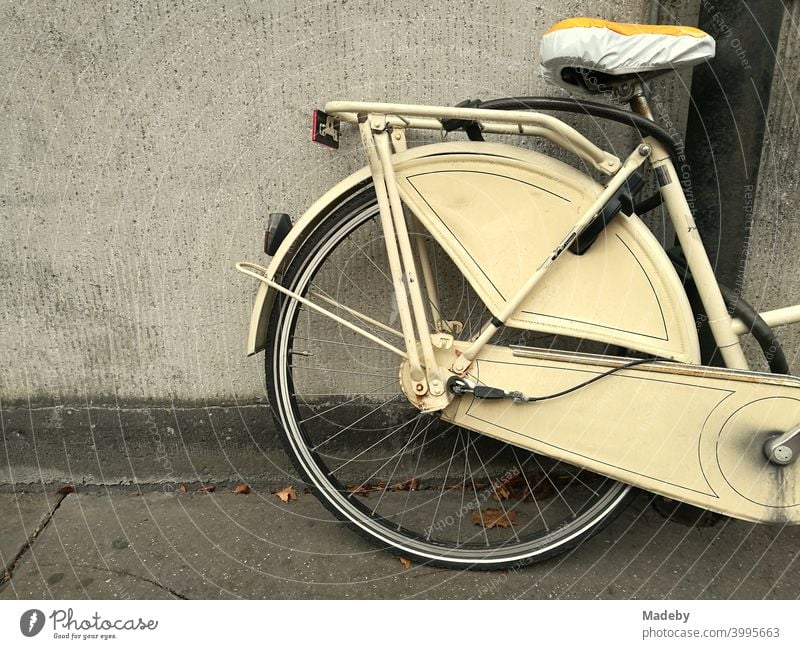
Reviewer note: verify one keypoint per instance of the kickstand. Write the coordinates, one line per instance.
(683, 514)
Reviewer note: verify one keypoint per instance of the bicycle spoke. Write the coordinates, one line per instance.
(338, 371)
(530, 489)
(358, 396)
(494, 488)
(339, 342)
(413, 476)
(475, 489)
(399, 456)
(346, 428)
(442, 490)
(373, 445)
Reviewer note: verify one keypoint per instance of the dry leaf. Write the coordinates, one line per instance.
(490, 518)
(538, 486)
(286, 494)
(241, 489)
(208, 489)
(500, 491)
(358, 490)
(136, 493)
(541, 487)
(182, 489)
(469, 486)
(515, 482)
(66, 489)
(406, 563)
(411, 484)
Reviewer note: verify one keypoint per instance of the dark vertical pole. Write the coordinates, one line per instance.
(724, 135)
(726, 125)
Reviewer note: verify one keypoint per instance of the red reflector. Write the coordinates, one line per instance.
(324, 129)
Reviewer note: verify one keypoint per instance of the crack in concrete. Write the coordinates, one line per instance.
(8, 571)
(125, 573)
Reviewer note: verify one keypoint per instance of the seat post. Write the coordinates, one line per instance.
(638, 103)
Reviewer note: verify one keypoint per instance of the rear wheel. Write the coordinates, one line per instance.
(412, 483)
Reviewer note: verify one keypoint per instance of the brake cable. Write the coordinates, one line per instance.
(459, 386)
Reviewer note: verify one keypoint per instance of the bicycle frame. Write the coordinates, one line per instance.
(428, 358)
(376, 121)
(382, 128)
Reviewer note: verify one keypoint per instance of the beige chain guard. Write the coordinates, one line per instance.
(692, 433)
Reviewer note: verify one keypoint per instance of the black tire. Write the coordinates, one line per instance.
(323, 389)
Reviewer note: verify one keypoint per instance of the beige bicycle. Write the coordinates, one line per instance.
(475, 351)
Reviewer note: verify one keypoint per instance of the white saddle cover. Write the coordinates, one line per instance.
(620, 48)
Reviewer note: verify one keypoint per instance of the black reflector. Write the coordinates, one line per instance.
(278, 227)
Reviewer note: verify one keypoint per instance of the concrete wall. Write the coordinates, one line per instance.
(143, 145)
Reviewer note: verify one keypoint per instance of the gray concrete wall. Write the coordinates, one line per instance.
(143, 145)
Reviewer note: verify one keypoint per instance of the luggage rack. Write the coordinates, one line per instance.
(501, 122)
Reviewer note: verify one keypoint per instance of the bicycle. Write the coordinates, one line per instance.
(476, 352)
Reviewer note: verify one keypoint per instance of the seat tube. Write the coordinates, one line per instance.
(719, 320)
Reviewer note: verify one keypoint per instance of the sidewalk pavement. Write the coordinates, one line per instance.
(111, 543)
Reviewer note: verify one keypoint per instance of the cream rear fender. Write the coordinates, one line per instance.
(265, 296)
(498, 211)
(356, 182)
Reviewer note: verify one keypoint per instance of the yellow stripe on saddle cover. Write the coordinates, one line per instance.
(628, 29)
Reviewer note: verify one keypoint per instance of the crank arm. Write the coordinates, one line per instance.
(783, 449)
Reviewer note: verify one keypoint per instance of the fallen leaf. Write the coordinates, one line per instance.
(541, 487)
(538, 486)
(136, 493)
(406, 563)
(358, 490)
(500, 491)
(66, 489)
(286, 494)
(490, 518)
(515, 481)
(306, 491)
(208, 489)
(412, 484)
(467, 485)
(182, 489)
(241, 489)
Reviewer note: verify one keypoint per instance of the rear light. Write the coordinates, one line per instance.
(278, 226)
(325, 129)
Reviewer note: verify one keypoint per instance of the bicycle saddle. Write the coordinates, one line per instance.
(590, 55)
